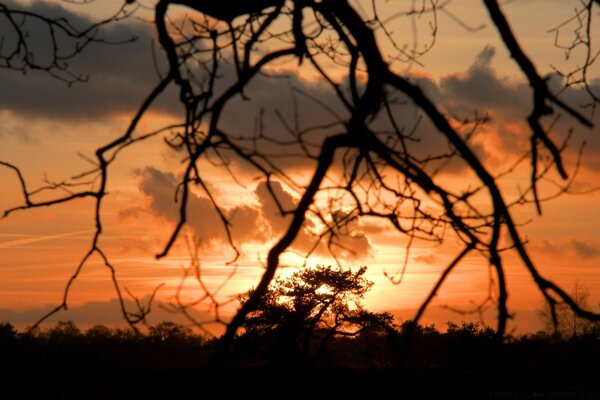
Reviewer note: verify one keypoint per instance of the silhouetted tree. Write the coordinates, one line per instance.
(314, 305)
(7, 332)
(455, 364)
(364, 159)
(64, 331)
(562, 321)
(99, 333)
(169, 332)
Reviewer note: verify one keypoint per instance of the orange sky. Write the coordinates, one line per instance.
(46, 126)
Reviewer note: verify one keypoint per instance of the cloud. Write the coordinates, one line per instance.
(260, 222)
(271, 104)
(271, 198)
(574, 248)
(579, 99)
(349, 243)
(426, 259)
(352, 242)
(274, 110)
(508, 101)
(585, 250)
(480, 88)
(202, 217)
(119, 76)
(276, 223)
(106, 313)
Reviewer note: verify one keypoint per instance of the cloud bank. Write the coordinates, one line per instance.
(106, 313)
(119, 76)
(258, 222)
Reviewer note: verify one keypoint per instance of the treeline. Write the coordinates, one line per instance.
(466, 361)
(170, 345)
(308, 335)
(164, 345)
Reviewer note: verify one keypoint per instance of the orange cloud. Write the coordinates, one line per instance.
(259, 222)
(571, 248)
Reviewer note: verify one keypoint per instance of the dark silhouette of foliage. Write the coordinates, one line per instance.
(562, 321)
(456, 364)
(7, 332)
(64, 329)
(168, 331)
(99, 333)
(311, 307)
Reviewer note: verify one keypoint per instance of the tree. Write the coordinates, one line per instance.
(562, 321)
(64, 330)
(364, 154)
(99, 333)
(314, 304)
(7, 332)
(170, 332)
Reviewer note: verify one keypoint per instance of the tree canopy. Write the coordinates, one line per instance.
(314, 305)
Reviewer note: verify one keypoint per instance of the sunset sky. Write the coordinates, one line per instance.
(50, 130)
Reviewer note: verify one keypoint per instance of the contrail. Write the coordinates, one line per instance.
(19, 242)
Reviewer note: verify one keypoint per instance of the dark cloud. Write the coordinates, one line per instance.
(579, 99)
(585, 250)
(351, 240)
(119, 76)
(300, 104)
(274, 109)
(272, 105)
(480, 88)
(508, 102)
(576, 96)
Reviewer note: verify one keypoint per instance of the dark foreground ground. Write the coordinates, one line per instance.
(300, 383)
(466, 363)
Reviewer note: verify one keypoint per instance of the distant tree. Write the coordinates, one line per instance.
(99, 332)
(315, 305)
(7, 332)
(123, 335)
(64, 330)
(469, 330)
(169, 332)
(562, 321)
